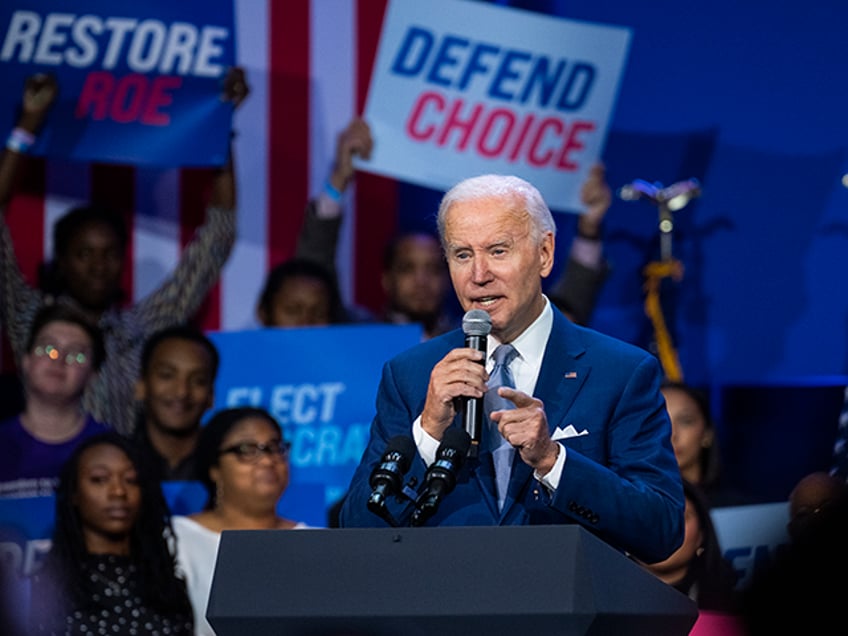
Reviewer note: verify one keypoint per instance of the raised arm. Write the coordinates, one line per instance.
(585, 272)
(18, 300)
(318, 236)
(39, 94)
(201, 262)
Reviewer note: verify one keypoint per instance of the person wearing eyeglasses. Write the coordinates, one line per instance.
(63, 354)
(242, 460)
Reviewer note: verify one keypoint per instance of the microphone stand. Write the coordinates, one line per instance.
(668, 200)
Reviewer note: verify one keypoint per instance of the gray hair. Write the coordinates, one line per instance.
(497, 185)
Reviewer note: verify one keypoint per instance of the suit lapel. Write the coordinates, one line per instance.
(562, 373)
(561, 376)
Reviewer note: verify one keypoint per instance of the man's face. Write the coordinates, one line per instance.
(495, 264)
(417, 280)
(177, 387)
(93, 265)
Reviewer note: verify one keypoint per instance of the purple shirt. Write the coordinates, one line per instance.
(30, 467)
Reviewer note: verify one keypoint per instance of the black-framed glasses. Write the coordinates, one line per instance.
(250, 452)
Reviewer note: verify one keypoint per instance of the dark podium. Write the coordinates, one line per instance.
(492, 581)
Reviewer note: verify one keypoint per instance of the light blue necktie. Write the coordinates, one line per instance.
(502, 452)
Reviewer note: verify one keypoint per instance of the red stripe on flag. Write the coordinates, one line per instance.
(25, 218)
(195, 190)
(288, 126)
(376, 197)
(113, 187)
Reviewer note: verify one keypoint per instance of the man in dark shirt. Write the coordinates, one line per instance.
(175, 389)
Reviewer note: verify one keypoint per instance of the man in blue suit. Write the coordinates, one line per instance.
(587, 421)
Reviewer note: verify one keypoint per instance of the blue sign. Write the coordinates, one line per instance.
(138, 82)
(320, 384)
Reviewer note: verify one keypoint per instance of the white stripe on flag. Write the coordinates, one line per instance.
(332, 104)
(242, 278)
(156, 231)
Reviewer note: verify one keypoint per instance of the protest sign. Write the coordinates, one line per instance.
(464, 88)
(138, 83)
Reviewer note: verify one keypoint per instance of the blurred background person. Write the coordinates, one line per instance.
(799, 591)
(300, 293)
(416, 283)
(242, 459)
(813, 495)
(174, 390)
(693, 436)
(90, 248)
(62, 356)
(110, 569)
(303, 291)
(698, 568)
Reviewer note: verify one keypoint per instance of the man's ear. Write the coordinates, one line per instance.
(546, 254)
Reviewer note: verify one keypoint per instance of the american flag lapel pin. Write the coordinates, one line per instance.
(570, 375)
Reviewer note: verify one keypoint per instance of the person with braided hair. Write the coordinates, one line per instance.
(111, 566)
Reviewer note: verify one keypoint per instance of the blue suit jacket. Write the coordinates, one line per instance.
(620, 480)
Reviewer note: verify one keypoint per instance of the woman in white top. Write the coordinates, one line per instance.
(242, 460)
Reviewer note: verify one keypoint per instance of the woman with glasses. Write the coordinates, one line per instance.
(242, 460)
(62, 356)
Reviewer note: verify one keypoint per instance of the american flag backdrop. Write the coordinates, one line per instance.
(308, 63)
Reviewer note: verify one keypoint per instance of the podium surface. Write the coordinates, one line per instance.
(492, 581)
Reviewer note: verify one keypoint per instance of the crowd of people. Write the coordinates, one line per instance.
(115, 396)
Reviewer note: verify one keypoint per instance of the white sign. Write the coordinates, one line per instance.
(465, 88)
(751, 536)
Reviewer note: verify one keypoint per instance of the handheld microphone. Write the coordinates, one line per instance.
(387, 477)
(476, 325)
(440, 478)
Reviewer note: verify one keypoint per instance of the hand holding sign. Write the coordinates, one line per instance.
(236, 88)
(40, 93)
(353, 141)
(465, 88)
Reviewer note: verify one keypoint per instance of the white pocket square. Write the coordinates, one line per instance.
(568, 431)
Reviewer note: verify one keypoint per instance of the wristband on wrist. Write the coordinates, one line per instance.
(331, 192)
(20, 140)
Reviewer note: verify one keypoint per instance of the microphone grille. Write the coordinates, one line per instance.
(457, 439)
(405, 447)
(476, 322)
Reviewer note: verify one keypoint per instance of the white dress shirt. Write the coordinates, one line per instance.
(525, 367)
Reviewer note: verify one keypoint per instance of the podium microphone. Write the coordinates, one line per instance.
(387, 477)
(440, 478)
(476, 325)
